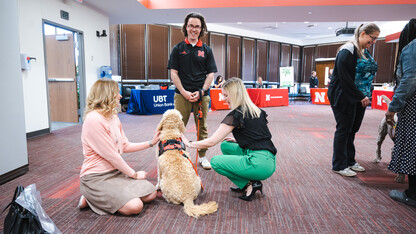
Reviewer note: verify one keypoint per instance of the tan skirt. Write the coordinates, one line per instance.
(108, 192)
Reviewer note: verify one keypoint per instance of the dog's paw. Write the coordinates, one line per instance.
(400, 178)
(376, 160)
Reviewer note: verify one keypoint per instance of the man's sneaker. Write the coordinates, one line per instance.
(357, 167)
(205, 163)
(346, 172)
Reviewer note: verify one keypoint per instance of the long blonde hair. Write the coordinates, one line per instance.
(238, 97)
(368, 29)
(103, 98)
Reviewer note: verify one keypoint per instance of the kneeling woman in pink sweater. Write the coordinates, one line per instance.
(107, 183)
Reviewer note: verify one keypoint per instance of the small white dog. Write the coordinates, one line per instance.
(385, 129)
(177, 178)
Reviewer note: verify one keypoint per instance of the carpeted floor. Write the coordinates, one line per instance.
(303, 195)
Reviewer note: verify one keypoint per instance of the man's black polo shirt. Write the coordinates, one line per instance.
(193, 64)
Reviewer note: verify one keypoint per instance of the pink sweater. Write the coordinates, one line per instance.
(103, 142)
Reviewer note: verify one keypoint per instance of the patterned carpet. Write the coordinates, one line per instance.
(303, 196)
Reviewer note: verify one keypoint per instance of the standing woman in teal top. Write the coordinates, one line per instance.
(349, 95)
(250, 157)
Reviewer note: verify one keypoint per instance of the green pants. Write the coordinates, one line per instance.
(241, 166)
(185, 107)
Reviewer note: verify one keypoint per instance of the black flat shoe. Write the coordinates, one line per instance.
(257, 185)
(402, 197)
(240, 190)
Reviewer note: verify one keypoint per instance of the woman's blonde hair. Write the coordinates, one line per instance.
(369, 29)
(103, 98)
(238, 97)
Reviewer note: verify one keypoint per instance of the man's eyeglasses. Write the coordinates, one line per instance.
(372, 38)
(197, 27)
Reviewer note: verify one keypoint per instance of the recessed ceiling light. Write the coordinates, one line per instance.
(239, 22)
(306, 22)
(310, 12)
(308, 36)
(329, 27)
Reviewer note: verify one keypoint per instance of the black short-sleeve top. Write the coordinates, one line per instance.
(193, 64)
(251, 133)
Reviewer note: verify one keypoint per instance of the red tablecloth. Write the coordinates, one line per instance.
(377, 101)
(269, 97)
(217, 100)
(319, 96)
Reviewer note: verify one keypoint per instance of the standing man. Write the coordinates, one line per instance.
(313, 80)
(192, 67)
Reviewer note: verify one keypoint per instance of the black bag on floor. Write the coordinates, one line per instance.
(20, 220)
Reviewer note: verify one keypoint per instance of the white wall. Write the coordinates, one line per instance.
(97, 52)
(13, 148)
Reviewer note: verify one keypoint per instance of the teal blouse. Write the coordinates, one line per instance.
(364, 73)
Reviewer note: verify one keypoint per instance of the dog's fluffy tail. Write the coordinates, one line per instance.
(197, 210)
(386, 99)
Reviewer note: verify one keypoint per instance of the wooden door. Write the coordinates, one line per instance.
(63, 95)
(322, 71)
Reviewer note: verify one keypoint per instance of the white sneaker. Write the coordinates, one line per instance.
(205, 163)
(346, 172)
(357, 167)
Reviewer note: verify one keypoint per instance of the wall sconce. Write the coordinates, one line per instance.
(103, 34)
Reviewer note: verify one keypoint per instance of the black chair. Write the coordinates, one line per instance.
(125, 93)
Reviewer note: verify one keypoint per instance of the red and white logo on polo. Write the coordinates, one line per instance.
(200, 53)
(183, 52)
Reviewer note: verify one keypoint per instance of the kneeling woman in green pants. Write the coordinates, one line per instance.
(250, 157)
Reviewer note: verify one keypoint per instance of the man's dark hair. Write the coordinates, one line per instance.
(198, 16)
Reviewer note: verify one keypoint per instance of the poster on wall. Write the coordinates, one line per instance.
(286, 77)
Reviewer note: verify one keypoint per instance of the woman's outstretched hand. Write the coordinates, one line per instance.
(186, 141)
(155, 138)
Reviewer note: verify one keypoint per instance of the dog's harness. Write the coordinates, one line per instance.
(173, 144)
(176, 144)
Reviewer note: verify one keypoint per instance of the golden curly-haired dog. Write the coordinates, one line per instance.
(177, 178)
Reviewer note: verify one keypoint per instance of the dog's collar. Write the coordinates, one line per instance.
(172, 144)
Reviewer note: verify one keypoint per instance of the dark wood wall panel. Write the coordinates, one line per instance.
(218, 47)
(176, 36)
(384, 55)
(296, 61)
(274, 53)
(307, 63)
(157, 52)
(234, 57)
(285, 57)
(327, 51)
(133, 51)
(249, 54)
(262, 59)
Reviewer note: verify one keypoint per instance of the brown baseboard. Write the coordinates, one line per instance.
(37, 133)
(14, 174)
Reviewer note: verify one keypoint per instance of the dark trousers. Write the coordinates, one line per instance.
(348, 117)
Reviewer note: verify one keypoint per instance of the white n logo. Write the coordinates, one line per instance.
(221, 97)
(379, 100)
(319, 97)
(267, 97)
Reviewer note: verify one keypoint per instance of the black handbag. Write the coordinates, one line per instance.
(20, 220)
